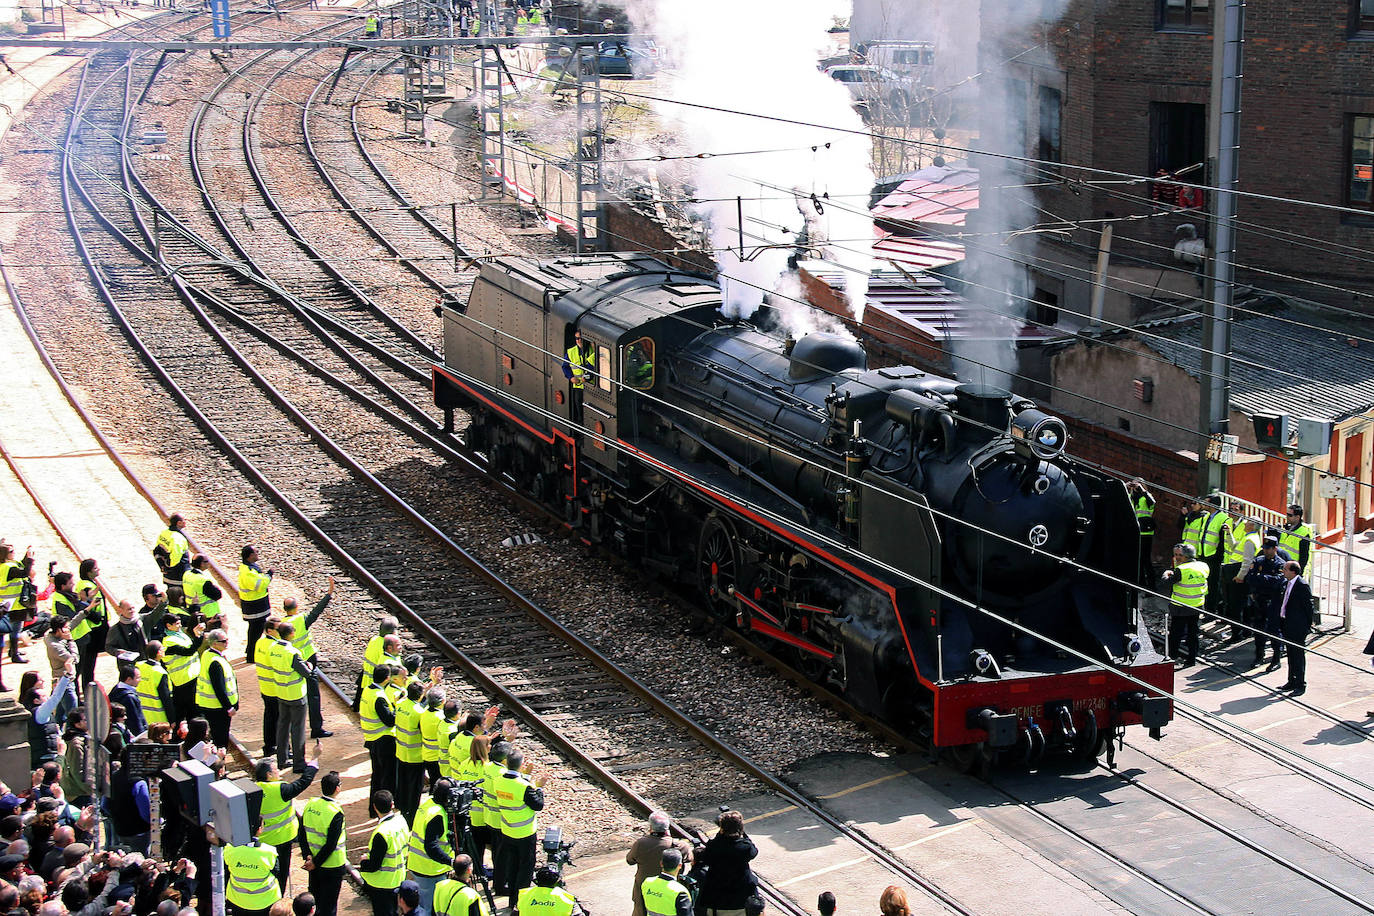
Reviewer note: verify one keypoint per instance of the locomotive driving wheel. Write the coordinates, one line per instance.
(717, 565)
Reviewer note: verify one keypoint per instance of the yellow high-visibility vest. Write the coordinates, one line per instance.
(181, 669)
(278, 817)
(150, 675)
(205, 693)
(249, 882)
(253, 585)
(392, 870)
(319, 813)
(290, 683)
(518, 820)
(416, 859)
(408, 749)
(1190, 584)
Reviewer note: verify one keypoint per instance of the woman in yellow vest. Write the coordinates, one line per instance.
(154, 689)
(90, 632)
(181, 658)
(481, 814)
(1188, 579)
(172, 551)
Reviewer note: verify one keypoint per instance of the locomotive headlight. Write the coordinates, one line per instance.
(1133, 646)
(983, 662)
(1038, 435)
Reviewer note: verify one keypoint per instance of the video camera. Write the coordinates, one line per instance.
(558, 852)
(465, 792)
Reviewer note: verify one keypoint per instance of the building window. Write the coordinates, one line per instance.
(1046, 307)
(1362, 18)
(1178, 144)
(1359, 147)
(1051, 115)
(1185, 15)
(1016, 95)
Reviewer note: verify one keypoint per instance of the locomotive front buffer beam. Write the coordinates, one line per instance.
(1002, 728)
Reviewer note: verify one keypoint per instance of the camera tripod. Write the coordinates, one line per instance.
(460, 826)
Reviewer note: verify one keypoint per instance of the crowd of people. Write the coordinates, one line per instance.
(449, 787)
(1250, 577)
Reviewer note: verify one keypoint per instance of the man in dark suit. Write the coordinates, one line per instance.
(1295, 620)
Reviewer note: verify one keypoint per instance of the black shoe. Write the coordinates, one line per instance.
(19, 659)
(1299, 690)
(1289, 686)
(1273, 666)
(269, 752)
(1259, 660)
(1187, 663)
(322, 733)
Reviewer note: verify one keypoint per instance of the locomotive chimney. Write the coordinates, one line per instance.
(983, 411)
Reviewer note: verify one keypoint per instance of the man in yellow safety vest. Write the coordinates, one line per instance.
(546, 897)
(456, 896)
(254, 602)
(172, 551)
(279, 824)
(520, 801)
(305, 645)
(384, 867)
(664, 894)
(250, 884)
(217, 690)
(1188, 580)
(323, 844)
(580, 368)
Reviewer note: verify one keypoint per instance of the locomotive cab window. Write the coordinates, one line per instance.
(638, 370)
(603, 364)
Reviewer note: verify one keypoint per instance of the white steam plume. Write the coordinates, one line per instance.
(760, 57)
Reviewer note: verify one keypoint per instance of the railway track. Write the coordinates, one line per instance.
(589, 709)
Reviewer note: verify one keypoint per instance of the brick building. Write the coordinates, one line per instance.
(1124, 85)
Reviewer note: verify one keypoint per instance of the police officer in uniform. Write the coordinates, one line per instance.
(520, 801)
(279, 825)
(663, 894)
(546, 897)
(250, 882)
(172, 551)
(305, 645)
(1266, 588)
(1240, 556)
(254, 602)
(384, 867)
(322, 839)
(217, 690)
(1188, 580)
(430, 851)
(456, 896)
(580, 367)
(377, 718)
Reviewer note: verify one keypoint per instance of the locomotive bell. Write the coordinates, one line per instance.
(1037, 435)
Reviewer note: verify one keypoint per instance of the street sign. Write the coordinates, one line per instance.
(219, 17)
(1222, 448)
(148, 760)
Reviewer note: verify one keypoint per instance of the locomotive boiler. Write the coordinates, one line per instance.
(924, 547)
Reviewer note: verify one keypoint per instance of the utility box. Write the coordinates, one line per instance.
(235, 810)
(1314, 436)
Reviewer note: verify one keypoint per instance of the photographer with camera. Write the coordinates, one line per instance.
(430, 854)
(726, 881)
(647, 852)
(172, 550)
(456, 895)
(520, 802)
(548, 897)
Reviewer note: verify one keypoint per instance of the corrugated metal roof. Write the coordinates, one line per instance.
(1315, 371)
(939, 196)
(915, 253)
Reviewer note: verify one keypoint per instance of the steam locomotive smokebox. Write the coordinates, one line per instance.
(986, 407)
(825, 354)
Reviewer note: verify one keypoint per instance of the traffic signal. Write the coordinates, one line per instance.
(1271, 430)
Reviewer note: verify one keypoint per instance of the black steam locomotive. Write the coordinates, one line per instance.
(839, 512)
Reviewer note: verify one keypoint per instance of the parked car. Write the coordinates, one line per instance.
(637, 58)
(874, 87)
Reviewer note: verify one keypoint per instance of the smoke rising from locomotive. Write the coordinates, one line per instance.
(760, 57)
